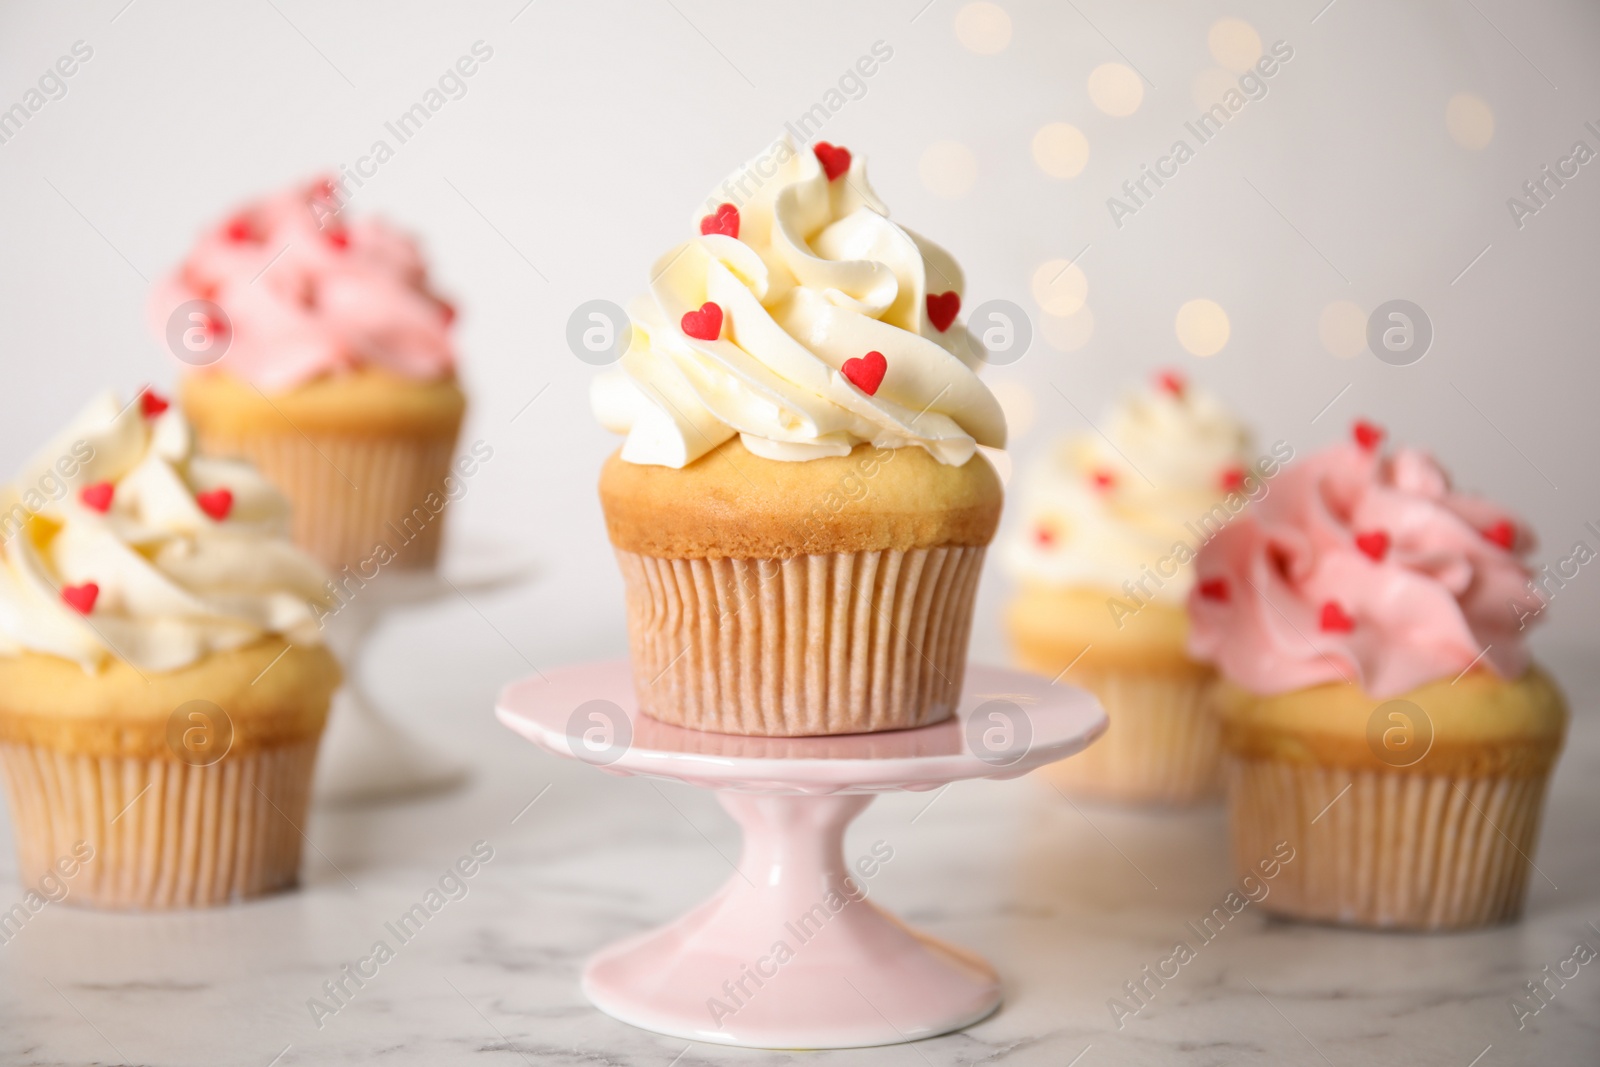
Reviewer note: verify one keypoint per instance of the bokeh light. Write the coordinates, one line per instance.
(1059, 287)
(983, 28)
(1202, 327)
(1235, 44)
(1018, 404)
(1061, 150)
(1470, 121)
(1342, 329)
(1116, 89)
(948, 169)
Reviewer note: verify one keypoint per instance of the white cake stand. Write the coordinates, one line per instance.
(365, 756)
(849, 974)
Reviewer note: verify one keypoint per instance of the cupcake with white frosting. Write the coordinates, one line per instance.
(162, 682)
(1110, 524)
(799, 507)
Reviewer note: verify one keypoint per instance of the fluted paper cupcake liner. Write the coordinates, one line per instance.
(825, 644)
(1397, 850)
(165, 834)
(350, 493)
(1163, 745)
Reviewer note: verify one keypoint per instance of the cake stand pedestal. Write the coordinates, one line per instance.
(365, 755)
(790, 953)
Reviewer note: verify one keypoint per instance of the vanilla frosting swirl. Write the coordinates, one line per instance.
(1097, 510)
(306, 295)
(118, 503)
(816, 277)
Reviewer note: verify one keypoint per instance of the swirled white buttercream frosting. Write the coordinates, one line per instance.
(803, 320)
(120, 541)
(1101, 509)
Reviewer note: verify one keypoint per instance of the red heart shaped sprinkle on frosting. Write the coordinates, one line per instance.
(1502, 533)
(1334, 619)
(81, 598)
(1214, 589)
(1368, 435)
(724, 220)
(835, 161)
(1374, 544)
(216, 503)
(152, 403)
(97, 496)
(866, 372)
(943, 308)
(1232, 480)
(1103, 479)
(1172, 382)
(705, 324)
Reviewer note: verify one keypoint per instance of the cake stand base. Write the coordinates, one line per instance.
(790, 953)
(365, 756)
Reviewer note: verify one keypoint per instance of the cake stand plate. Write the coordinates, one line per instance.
(790, 953)
(366, 756)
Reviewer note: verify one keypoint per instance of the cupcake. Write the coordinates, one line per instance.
(162, 686)
(319, 353)
(1103, 561)
(799, 510)
(1381, 713)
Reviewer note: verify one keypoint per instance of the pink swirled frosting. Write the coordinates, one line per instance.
(1366, 568)
(307, 295)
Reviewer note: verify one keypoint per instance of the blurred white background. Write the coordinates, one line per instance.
(1377, 166)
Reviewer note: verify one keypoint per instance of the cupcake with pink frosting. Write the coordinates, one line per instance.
(318, 351)
(1381, 712)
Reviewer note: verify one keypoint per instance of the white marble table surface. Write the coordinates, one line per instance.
(1068, 904)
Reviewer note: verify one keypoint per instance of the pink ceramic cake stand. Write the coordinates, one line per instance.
(789, 953)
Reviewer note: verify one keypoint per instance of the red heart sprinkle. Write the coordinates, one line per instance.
(835, 161)
(216, 503)
(239, 230)
(81, 597)
(339, 239)
(448, 311)
(705, 324)
(1232, 480)
(1104, 479)
(942, 309)
(1374, 544)
(1502, 533)
(1045, 536)
(866, 372)
(1334, 619)
(152, 403)
(1215, 589)
(97, 496)
(1172, 382)
(1368, 435)
(724, 220)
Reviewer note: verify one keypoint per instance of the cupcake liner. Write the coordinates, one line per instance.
(825, 644)
(349, 492)
(1163, 745)
(165, 834)
(1426, 852)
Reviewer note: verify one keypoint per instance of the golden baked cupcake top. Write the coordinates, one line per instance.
(802, 321)
(118, 541)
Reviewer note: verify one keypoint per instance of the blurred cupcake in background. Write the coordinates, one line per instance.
(1102, 557)
(1381, 712)
(320, 354)
(162, 683)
